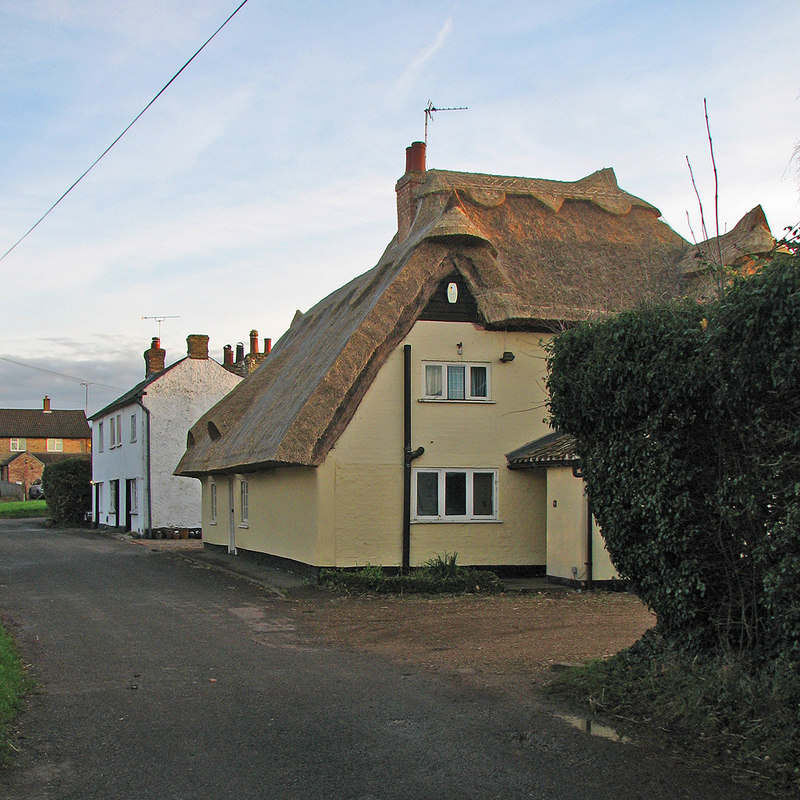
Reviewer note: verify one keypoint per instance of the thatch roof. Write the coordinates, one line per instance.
(535, 254)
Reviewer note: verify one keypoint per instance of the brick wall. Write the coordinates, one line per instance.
(40, 446)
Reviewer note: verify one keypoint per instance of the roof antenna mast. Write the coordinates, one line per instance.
(429, 111)
(160, 318)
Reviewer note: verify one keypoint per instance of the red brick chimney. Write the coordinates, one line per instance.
(154, 358)
(407, 186)
(267, 346)
(253, 343)
(197, 346)
(227, 356)
(46, 405)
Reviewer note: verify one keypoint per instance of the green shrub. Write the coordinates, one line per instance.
(687, 419)
(67, 487)
(438, 575)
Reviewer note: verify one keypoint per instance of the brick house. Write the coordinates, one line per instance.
(32, 438)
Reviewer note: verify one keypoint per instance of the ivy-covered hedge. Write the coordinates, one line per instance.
(688, 426)
(67, 488)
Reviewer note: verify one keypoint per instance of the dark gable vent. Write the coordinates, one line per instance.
(213, 432)
(189, 439)
(440, 309)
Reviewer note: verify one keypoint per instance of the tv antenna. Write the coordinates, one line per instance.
(430, 109)
(160, 318)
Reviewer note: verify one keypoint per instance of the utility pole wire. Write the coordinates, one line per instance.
(81, 381)
(135, 120)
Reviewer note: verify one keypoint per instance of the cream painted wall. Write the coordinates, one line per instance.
(566, 530)
(283, 517)
(368, 457)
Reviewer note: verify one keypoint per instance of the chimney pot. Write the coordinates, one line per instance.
(197, 346)
(253, 342)
(227, 355)
(46, 404)
(239, 352)
(407, 189)
(267, 346)
(154, 358)
(415, 157)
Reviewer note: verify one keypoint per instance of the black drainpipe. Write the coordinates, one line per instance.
(578, 473)
(408, 456)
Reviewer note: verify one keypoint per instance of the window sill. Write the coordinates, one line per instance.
(444, 401)
(213, 522)
(244, 525)
(456, 521)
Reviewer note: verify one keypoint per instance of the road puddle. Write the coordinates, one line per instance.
(591, 727)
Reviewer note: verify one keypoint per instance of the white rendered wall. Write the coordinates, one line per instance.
(122, 462)
(176, 401)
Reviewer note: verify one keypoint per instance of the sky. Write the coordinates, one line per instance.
(263, 178)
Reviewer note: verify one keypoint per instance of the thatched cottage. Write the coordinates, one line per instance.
(382, 426)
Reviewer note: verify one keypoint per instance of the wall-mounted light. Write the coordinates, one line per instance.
(507, 356)
(460, 346)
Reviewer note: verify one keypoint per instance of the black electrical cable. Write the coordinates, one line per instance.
(130, 125)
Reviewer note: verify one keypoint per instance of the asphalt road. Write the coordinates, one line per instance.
(163, 679)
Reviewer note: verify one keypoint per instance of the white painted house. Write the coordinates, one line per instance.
(138, 439)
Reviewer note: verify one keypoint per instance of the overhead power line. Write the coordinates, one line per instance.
(82, 381)
(130, 125)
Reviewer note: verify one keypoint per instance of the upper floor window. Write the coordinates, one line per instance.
(112, 433)
(119, 430)
(18, 445)
(133, 427)
(454, 495)
(458, 381)
(100, 437)
(55, 445)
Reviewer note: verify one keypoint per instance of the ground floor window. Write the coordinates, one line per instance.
(134, 496)
(244, 502)
(457, 495)
(112, 497)
(214, 503)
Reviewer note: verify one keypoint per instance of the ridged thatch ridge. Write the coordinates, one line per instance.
(535, 254)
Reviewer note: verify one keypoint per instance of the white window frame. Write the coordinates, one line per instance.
(19, 444)
(133, 427)
(55, 445)
(244, 503)
(113, 500)
(134, 496)
(99, 437)
(468, 367)
(119, 430)
(213, 497)
(470, 472)
(112, 434)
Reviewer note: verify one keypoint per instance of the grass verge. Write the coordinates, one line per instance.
(19, 509)
(14, 683)
(439, 575)
(743, 722)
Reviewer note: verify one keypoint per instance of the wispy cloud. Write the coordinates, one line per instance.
(406, 81)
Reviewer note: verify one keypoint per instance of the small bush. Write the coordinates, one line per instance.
(438, 575)
(68, 490)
